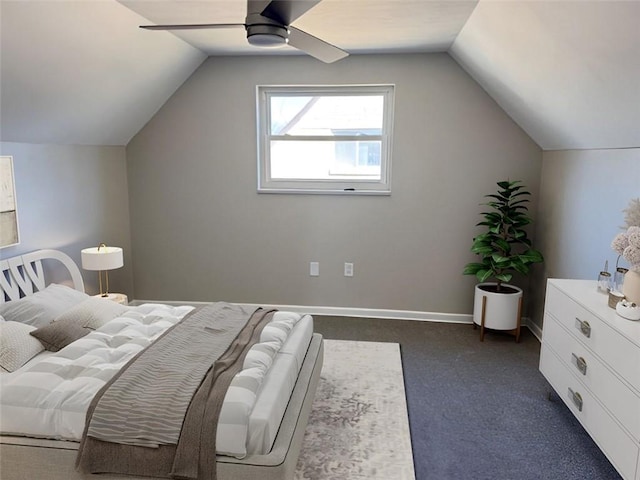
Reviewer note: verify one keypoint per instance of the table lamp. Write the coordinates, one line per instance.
(102, 259)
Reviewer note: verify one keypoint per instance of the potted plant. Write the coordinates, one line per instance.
(504, 250)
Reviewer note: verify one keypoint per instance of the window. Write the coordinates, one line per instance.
(329, 139)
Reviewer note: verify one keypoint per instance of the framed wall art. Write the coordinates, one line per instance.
(8, 205)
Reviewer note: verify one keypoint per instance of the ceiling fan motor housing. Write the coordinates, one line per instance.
(264, 32)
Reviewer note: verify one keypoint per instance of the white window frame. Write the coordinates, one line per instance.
(266, 184)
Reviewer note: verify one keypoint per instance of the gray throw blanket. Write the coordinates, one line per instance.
(158, 416)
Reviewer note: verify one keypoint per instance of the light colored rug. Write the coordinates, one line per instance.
(358, 428)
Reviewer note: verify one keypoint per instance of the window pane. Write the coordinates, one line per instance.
(325, 139)
(326, 160)
(327, 115)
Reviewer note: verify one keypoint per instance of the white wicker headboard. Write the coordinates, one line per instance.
(23, 275)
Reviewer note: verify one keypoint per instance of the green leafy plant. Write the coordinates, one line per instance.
(504, 248)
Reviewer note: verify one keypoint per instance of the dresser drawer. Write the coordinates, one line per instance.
(618, 352)
(617, 445)
(623, 403)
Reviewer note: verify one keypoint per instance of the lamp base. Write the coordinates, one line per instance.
(120, 298)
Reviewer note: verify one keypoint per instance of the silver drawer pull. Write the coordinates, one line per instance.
(584, 327)
(576, 398)
(580, 363)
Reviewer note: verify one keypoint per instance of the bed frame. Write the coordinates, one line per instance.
(23, 458)
(23, 275)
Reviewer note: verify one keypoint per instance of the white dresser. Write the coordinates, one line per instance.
(591, 357)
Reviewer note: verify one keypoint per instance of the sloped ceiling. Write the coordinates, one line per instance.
(82, 72)
(568, 72)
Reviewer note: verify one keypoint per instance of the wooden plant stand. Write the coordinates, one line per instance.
(515, 331)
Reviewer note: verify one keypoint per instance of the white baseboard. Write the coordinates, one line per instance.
(374, 313)
(344, 311)
(535, 329)
(365, 312)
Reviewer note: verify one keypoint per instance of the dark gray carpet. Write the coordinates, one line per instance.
(480, 410)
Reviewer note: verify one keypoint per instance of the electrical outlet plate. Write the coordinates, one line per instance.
(314, 269)
(348, 269)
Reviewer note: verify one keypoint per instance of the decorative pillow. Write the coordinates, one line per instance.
(93, 312)
(59, 334)
(42, 307)
(17, 347)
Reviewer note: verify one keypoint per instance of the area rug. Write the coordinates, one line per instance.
(358, 426)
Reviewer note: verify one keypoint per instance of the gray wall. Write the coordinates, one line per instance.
(582, 197)
(201, 232)
(70, 198)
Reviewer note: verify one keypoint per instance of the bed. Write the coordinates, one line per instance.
(43, 431)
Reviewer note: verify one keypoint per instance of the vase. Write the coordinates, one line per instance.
(631, 286)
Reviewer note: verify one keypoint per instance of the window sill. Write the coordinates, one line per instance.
(324, 192)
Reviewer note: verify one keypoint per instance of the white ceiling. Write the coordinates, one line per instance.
(357, 26)
(82, 72)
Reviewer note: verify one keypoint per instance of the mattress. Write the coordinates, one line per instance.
(271, 404)
(63, 417)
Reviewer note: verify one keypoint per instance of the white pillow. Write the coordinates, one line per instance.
(17, 347)
(93, 312)
(42, 307)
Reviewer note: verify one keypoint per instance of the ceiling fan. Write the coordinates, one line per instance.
(268, 24)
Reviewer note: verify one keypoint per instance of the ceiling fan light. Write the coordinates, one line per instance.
(267, 36)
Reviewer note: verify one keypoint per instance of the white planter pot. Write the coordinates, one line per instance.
(502, 310)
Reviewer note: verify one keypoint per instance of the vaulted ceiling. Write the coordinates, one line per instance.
(82, 72)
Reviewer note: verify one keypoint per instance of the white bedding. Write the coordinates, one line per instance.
(36, 402)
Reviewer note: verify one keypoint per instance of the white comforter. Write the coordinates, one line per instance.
(50, 395)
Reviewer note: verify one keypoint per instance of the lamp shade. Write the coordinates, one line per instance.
(102, 258)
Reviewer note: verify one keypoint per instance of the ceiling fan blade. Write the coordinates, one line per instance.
(286, 11)
(194, 26)
(314, 46)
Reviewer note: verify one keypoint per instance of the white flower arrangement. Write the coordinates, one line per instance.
(632, 214)
(627, 243)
